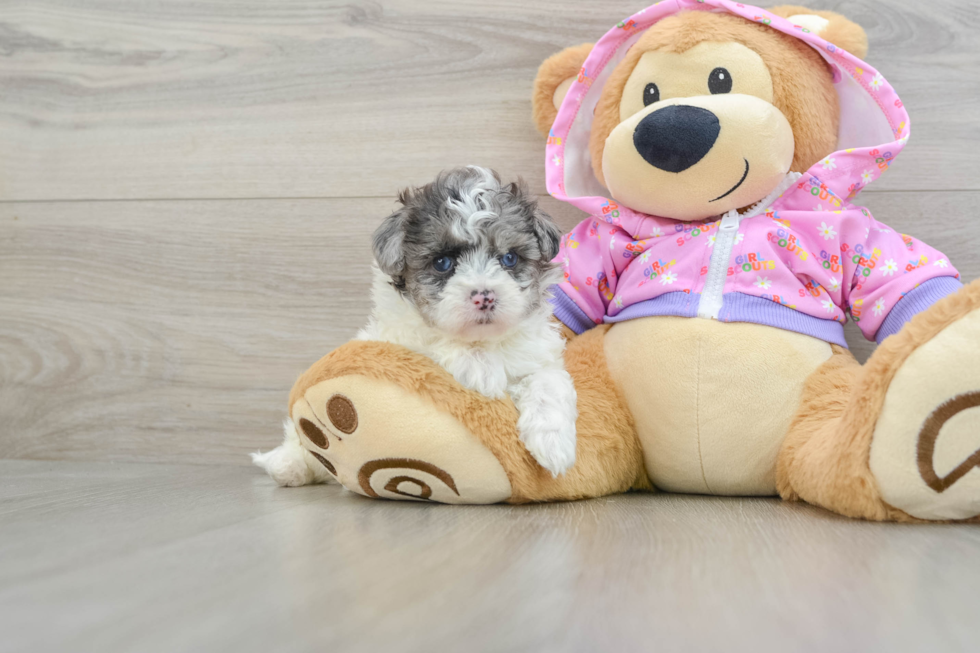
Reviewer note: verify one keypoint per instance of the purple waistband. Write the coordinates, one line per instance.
(736, 307)
(677, 303)
(739, 307)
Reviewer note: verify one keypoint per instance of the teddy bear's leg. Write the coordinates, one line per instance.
(386, 422)
(898, 438)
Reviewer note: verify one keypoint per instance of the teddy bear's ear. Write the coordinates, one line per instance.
(554, 78)
(829, 26)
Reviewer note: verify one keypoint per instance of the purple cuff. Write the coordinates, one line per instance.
(569, 313)
(914, 302)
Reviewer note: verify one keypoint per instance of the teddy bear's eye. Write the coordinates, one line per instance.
(651, 94)
(720, 81)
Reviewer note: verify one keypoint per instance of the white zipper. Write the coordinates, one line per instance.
(714, 285)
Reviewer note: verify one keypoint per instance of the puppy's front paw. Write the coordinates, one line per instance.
(551, 444)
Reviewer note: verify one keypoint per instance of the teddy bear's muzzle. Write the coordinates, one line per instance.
(676, 137)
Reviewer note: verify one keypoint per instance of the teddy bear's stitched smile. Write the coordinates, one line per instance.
(733, 188)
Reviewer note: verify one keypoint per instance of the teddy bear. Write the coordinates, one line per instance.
(717, 149)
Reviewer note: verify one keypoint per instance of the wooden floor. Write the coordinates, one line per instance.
(187, 191)
(133, 557)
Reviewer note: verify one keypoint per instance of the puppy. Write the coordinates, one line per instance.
(462, 276)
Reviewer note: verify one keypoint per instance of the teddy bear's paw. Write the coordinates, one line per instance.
(925, 452)
(382, 441)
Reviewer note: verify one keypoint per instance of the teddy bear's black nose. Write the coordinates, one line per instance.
(676, 137)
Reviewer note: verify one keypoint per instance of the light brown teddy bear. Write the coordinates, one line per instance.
(717, 148)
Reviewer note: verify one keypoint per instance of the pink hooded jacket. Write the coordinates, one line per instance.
(800, 259)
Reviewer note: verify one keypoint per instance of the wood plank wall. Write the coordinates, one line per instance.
(187, 188)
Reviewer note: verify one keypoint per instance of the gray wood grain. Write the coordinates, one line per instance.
(170, 330)
(140, 324)
(173, 330)
(100, 557)
(303, 98)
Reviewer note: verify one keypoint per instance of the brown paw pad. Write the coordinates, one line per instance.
(393, 484)
(313, 432)
(326, 463)
(425, 492)
(927, 442)
(342, 414)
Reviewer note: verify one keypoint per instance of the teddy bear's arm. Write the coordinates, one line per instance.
(590, 260)
(892, 276)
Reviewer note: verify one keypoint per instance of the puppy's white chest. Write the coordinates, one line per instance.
(478, 370)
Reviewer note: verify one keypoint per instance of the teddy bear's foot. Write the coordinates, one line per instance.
(925, 451)
(381, 441)
(898, 438)
(389, 423)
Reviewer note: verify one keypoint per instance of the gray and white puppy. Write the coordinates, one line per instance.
(472, 256)
(462, 276)
(463, 273)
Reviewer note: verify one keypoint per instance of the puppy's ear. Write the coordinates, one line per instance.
(547, 233)
(829, 26)
(389, 239)
(554, 78)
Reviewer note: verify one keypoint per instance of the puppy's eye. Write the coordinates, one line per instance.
(720, 81)
(443, 264)
(508, 260)
(651, 94)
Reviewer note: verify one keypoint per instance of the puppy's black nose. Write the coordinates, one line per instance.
(676, 137)
(483, 299)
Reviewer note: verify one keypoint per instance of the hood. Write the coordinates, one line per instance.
(874, 125)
